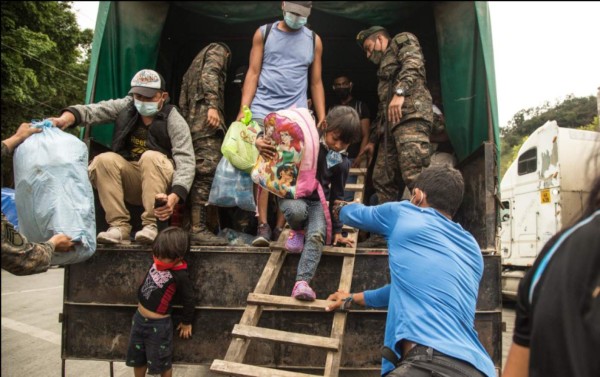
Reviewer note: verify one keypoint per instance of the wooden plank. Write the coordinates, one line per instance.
(354, 187)
(358, 171)
(243, 370)
(253, 332)
(287, 302)
(238, 347)
(327, 250)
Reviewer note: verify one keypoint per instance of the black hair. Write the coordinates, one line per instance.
(342, 74)
(172, 243)
(444, 187)
(345, 120)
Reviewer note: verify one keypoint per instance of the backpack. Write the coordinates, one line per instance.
(292, 174)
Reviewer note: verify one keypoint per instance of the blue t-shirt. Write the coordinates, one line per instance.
(283, 79)
(435, 268)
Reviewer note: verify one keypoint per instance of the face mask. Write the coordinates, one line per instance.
(161, 266)
(342, 93)
(376, 55)
(333, 158)
(420, 201)
(146, 108)
(293, 21)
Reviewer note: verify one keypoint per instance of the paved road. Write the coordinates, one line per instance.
(31, 332)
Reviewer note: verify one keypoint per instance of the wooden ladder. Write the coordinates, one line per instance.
(247, 328)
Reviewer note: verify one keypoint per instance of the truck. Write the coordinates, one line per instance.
(544, 190)
(100, 293)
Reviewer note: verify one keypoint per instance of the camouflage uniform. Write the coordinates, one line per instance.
(202, 88)
(20, 257)
(408, 150)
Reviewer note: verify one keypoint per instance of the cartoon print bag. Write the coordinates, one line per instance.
(292, 174)
(238, 145)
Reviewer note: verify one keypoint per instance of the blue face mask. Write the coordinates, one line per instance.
(293, 21)
(146, 108)
(333, 158)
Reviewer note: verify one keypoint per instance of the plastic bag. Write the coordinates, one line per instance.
(238, 145)
(53, 193)
(9, 208)
(231, 187)
(236, 238)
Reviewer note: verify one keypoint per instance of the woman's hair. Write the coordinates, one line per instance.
(345, 120)
(444, 187)
(172, 243)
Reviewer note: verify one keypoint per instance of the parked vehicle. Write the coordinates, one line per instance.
(543, 190)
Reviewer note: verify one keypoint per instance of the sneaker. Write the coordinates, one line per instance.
(263, 235)
(302, 291)
(376, 241)
(147, 234)
(276, 234)
(295, 242)
(112, 236)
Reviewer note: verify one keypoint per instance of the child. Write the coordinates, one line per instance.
(343, 128)
(151, 341)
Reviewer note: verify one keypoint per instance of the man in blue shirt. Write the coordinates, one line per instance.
(435, 268)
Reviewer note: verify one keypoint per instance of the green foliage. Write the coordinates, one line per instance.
(45, 59)
(573, 112)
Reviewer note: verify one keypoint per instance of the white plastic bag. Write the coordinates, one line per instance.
(53, 193)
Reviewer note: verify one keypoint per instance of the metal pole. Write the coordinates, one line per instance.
(112, 372)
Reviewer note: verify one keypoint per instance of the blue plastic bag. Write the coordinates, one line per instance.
(53, 193)
(231, 187)
(9, 208)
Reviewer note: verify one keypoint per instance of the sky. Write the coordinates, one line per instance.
(543, 51)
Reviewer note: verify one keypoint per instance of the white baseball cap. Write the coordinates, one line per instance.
(147, 82)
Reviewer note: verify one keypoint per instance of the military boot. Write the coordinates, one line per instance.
(200, 235)
(376, 241)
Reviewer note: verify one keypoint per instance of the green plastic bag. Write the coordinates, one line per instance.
(238, 146)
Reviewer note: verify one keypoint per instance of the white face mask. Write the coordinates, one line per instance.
(294, 21)
(146, 108)
(420, 201)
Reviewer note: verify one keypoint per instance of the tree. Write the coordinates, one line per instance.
(572, 112)
(45, 59)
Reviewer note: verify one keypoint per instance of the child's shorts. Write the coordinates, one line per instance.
(150, 343)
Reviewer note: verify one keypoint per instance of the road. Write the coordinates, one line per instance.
(31, 333)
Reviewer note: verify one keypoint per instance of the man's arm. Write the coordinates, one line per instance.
(317, 91)
(23, 132)
(183, 156)
(517, 363)
(379, 219)
(95, 113)
(254, 68)
(21, 257)
(212, 79)
(375, 298)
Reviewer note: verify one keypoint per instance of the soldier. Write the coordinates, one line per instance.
(405, 114)
(20, 257)
(203, 106)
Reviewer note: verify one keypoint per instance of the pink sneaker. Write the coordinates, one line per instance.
(295, 242)
(302, 291)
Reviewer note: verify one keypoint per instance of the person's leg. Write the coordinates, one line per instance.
(386, 182)
(159, 346)
(278, 226)
(208, 154)
(136, 350)
(263, 232)
(349, 195)
(157, 173)
(295, 212)
(167, 373)
(414, 151)
(109, 173)
(139, 371)
(316, 229)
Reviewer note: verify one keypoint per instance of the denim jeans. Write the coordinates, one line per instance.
(306, 214)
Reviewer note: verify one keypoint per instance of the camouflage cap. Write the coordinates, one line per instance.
(364, 34)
